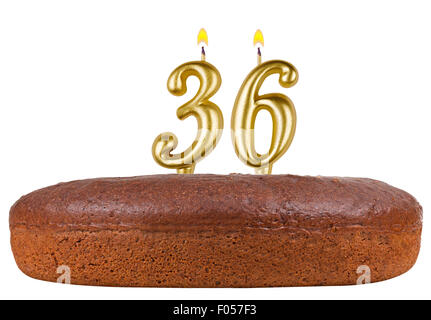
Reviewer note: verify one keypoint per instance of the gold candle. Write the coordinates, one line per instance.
(208, 115)
(247, 105)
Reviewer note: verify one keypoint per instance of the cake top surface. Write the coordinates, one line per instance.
(176, 202)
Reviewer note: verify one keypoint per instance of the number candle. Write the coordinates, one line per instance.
(208, 114)
(247, 105)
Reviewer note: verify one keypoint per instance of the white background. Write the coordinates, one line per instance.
(83, 94)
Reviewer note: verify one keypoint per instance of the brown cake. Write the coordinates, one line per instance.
(217, 231)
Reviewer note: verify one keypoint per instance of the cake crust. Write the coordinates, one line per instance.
(216, 231)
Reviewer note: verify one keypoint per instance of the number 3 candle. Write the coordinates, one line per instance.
(247, 105)
(208, 115)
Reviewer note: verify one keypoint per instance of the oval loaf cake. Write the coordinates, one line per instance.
(216, 231)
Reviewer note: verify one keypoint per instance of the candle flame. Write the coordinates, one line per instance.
(258, 38)
(202, 37)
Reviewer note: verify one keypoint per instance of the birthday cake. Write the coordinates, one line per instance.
(194, 230)
(216, 231)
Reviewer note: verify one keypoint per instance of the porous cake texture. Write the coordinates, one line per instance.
(216, 231)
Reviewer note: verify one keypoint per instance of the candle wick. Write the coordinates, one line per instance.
(259, 56)
(203, 54)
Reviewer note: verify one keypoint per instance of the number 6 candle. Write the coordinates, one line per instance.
(208, 115)
(248, 103)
